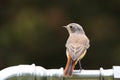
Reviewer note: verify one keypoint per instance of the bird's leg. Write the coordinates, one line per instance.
(80, 66)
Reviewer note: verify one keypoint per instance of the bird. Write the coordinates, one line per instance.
(76, 47)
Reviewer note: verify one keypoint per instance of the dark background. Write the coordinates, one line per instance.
(31, 32)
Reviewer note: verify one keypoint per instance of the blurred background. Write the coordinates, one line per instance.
(31, 32)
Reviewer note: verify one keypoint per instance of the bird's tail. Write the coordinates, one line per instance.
(69, 67)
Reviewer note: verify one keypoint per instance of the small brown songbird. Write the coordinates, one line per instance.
(76, 47)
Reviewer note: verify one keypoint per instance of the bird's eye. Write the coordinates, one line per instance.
(71, 26)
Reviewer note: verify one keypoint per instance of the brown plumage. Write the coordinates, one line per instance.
(76, 47)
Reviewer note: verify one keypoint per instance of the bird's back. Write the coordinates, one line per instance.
(76, 45)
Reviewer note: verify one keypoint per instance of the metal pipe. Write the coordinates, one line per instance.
(32, 72)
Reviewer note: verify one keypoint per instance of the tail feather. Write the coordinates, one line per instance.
(69, 67)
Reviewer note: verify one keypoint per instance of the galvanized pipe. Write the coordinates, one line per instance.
(32, 72)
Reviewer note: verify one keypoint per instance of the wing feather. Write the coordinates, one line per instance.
(75, 52)
(77, 45)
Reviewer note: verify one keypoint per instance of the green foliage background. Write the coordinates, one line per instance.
(31, 32)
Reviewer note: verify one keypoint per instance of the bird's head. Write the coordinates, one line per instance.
(74, 28)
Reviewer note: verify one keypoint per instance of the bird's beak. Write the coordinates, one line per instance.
(64, 26)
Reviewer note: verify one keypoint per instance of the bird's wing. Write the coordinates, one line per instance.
(77, 45)
(75, 52)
